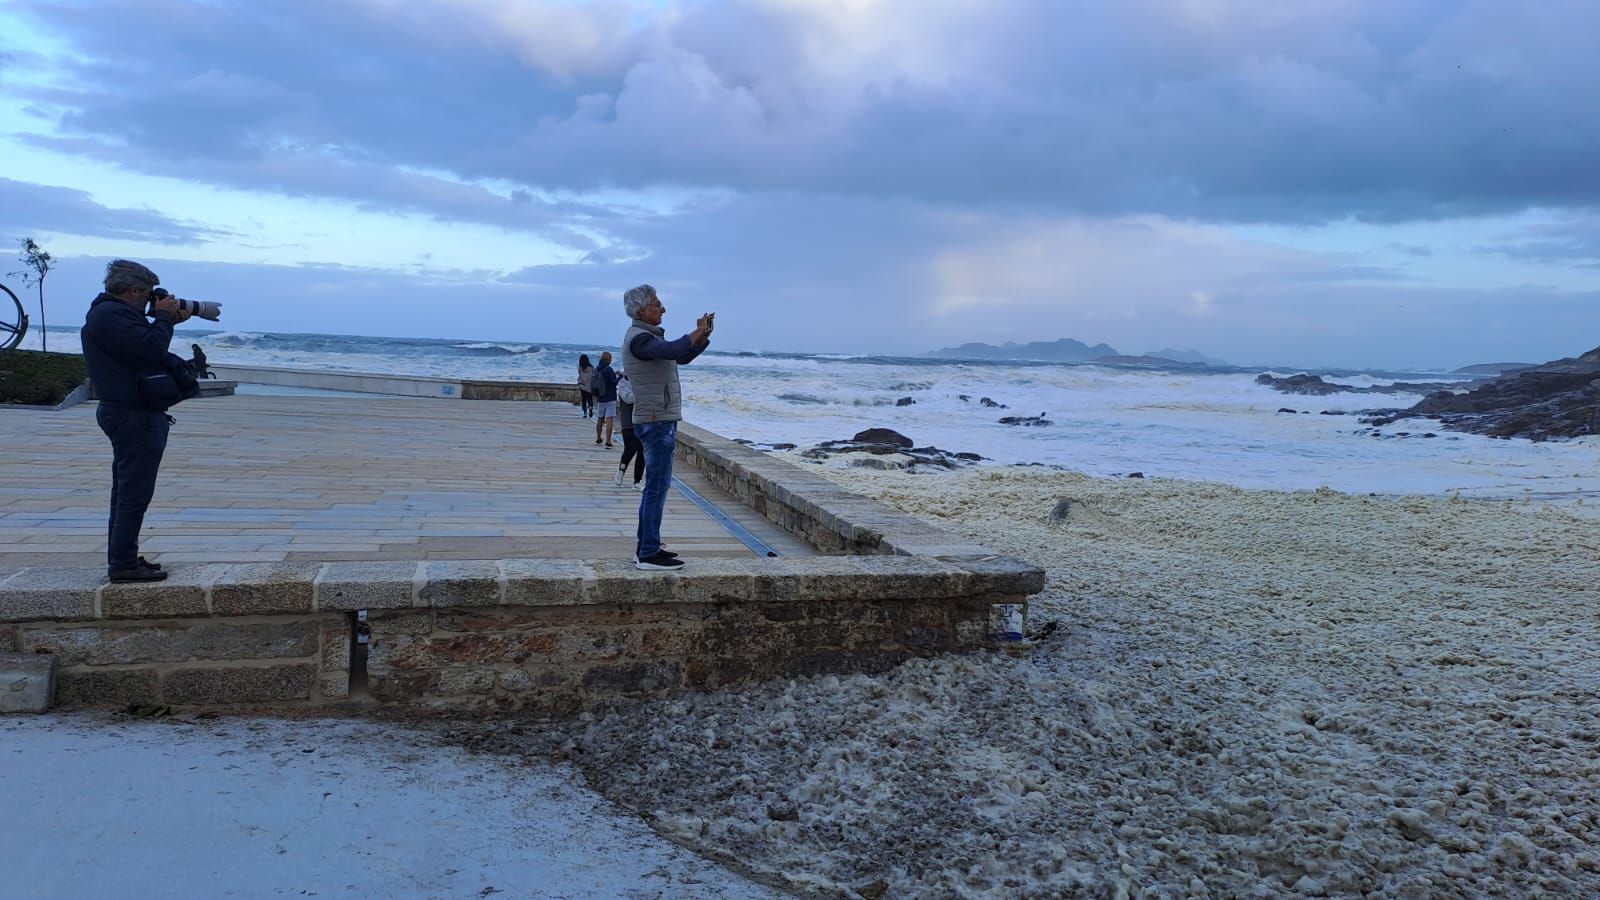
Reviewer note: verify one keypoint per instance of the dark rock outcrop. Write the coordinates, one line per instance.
(1493, 368)
(884, 448)
(1556, 400)
(1037, 421)
(1313, 385)
(905, 401)
(882, 436)
(1300, 384)
(1145, 362)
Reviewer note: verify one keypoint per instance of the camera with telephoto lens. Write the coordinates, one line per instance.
(205, 309)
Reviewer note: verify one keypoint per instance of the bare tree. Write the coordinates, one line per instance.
(39, 263)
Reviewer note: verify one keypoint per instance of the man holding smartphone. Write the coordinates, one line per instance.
(652, 364)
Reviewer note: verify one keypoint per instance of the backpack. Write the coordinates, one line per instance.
(175, 384)
(624, 389)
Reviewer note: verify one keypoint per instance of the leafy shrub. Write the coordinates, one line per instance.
(39, 379)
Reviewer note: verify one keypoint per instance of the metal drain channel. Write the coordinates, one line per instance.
(721, 518)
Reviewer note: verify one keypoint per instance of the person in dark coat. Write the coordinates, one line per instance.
(198, 363)
(632, 451)
(122, 343)
(585, 375)
(603, 385)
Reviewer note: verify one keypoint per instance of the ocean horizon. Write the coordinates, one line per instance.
(1197, 423)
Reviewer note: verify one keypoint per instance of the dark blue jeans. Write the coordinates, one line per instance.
(138, 439)
(660, 440)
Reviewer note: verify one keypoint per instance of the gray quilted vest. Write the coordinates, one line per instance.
(656, 394)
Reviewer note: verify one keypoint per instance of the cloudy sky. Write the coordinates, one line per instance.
(1386, 183)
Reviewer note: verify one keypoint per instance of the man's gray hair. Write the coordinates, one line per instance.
(636, 299)
(122, 274)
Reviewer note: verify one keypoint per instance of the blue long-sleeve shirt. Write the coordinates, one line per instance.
(681, 351)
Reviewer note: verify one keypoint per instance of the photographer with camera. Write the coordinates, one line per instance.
(126, 336)
(652, 366)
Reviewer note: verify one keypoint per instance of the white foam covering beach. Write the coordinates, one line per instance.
(1232, 693)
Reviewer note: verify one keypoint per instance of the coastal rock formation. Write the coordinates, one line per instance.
(1187, 356)
(1313, 385)
(764, 445)
(885, 448)
(1502, 368)
(982, 401)
(1145, 362)
(882, 436)
(1556, 400)
(1300, 384)
(1037, 421)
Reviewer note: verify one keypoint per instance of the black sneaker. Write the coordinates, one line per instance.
(146, 562)
(139, 572)
(660, 562)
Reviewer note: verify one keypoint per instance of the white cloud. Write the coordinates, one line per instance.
(1144, 267)
(564, 39)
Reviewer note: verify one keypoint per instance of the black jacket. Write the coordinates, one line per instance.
(120, 346)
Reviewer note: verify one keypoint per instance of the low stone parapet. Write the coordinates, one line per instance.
(547, 634)
(399, 385)
(812, 508)
(524, 391)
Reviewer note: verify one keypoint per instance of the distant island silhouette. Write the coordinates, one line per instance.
(1069, 350)
(1063, 350)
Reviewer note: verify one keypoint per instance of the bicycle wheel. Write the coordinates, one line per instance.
(13, 325)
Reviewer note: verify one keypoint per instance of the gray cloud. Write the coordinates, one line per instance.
(1220, 112)
(34, 208)
(299, 173)
(1574, 242)
(935, 173)
(888, 276)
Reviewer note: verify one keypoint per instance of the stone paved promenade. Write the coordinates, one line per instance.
(254, 478)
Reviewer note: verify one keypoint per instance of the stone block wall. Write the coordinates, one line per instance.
(216, 634)
(551, 635)
(525, 391)
(558, 659)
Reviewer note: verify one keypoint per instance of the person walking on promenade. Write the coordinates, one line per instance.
(631, 451)
(603, 384)
(122, 343)
(585, 373)
(652, 366)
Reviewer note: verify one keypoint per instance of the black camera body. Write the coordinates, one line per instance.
(205, 309)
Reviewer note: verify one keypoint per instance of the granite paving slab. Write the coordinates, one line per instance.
(266, 479)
